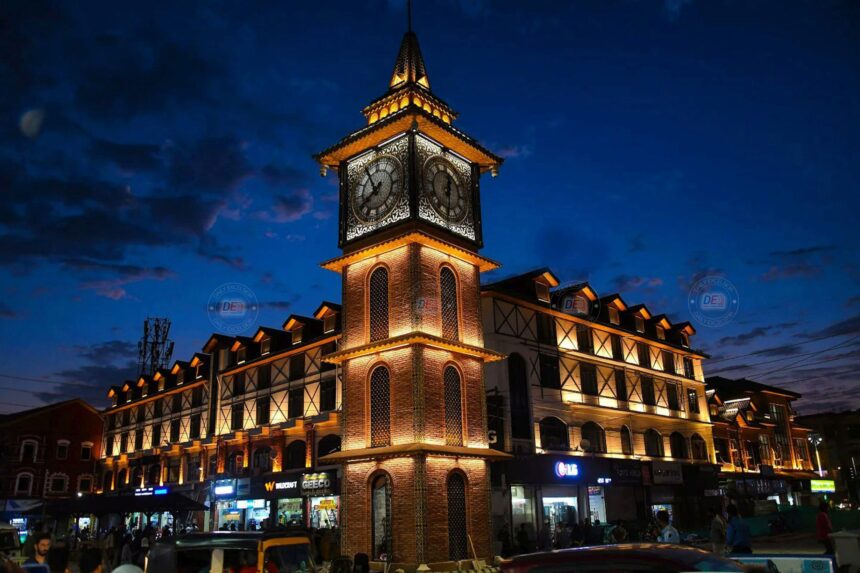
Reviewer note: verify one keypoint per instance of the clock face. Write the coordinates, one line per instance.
(378, 189)
(445, 190)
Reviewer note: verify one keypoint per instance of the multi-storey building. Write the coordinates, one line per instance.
(243, 413)
(762, 450)
(602, 403)
(46, 454)
(837, 435)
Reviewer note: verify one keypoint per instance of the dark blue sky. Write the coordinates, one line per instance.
(152, 151)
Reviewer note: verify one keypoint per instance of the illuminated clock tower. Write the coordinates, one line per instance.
(415, 453)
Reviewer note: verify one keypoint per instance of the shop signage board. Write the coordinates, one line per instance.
(667, 473)
(626, 472)
(822, 486)
(320, 483)
(566, 470)
(147, 491)
(225, 488)
(276, 486)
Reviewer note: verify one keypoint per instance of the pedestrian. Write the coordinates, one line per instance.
(668, 533)
(563, 536)
(504, 537)
(824, 527)
(522, 539)
(577, 538)
(737, 533)
(90, 561)
(126, 555)
(545, 537)
(593, 533)
(41, 547)
(619, 533)
(718, 531)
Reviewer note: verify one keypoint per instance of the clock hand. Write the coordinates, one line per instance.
(448, 193)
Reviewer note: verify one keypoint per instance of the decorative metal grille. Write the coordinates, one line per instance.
(379, 304)
(448, 290)
(380, 408)
(453, 408)
(457, 517)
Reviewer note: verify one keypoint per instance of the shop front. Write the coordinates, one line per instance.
(685, 491)
(322, 496)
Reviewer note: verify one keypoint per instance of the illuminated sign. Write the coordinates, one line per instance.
(146, 491)
(604, 481)
(316, 482)
(822, 486)
(224, 488)
(280, 485)
(251, 504)
(566, 469)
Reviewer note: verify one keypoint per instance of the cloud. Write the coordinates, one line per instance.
(6, 312)
(289, 207)
(758, 332)
(685, 283)
(803, 252)
(132, 157)
(623, 283)
(515, 151)
(122, 275)
(848, 326)
(284, 175)
(213, 164)
(797, 270)
(279, 304)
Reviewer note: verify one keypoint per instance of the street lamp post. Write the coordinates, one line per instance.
(816, 440)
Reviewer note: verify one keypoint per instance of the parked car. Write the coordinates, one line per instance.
(626, 558)
(10, 543)
(276, 551)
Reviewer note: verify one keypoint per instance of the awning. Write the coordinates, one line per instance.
(19, 505)
(104, 504)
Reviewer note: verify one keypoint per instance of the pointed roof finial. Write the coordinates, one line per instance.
(408, 15)
(409, 66)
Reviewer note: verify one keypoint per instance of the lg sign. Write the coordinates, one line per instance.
(566, 469)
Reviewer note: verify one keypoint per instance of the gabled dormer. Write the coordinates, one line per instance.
(578, 300)
(114, 394)
(199, 366)
(659, 326)
(533, 286)
(681, 333)
(179, 370)
(638, 317)
(302, 328)
(611, 308)
(329, 313)
(243, 349)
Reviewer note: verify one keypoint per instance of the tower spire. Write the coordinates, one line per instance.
(409, 67)
(409, 16)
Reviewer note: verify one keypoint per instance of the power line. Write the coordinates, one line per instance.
(805, 355)
(781, 346)
(798, 362)
(43, 381)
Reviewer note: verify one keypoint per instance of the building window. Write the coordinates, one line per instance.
(180, 378)
(640, 324)
(545, 329)
(174, 431)
(29, 449)
(159, 408)
(85, 484)
(123, 443)
(194, 429)
(653, 444)
(764, 447)
(139, 414)
(235, 463)
(24, 484)
(668, 362)
(294, 455)
(689, 371)
(156, 436)
(58, 483)
(126, 417)
(448, 294)
(380, 510)
(263, 459)
(678, 446)
(588, 375)
(648, 397)
(236, 417)
(620, 385)
(800, 449)
(296, 404)
(63, 450)
(542, 291)
(518, 387)
(176, 407)
(554, 434)
(617, 347)
(138, 440)
(265, 346)
(264, 376)
(378, 306)
(672, 396)
(693, 401)
(380, 407)
(549, 374)
(297, 367)
(595, 438)
(584, 342)
(699, 447)
(241, 355)
(626, 441)
(328, 395)
(239, 384)
(197, 397)
(109, 446)
(453, 408)
(661, 333)
(457, 536)
(328, 445)
(642, 351)
(86, 451)
(262, 411)
(329, 323)
(614, 317)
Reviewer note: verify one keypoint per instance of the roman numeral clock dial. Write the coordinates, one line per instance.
(379, 188)
(445, 190)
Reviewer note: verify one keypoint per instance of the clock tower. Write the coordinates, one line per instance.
(415, 453)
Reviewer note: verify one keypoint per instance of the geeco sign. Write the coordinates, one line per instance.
(316, 482)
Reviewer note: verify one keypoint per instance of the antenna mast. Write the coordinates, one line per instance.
(155, 347)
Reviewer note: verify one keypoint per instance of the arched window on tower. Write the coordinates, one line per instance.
(554, 434)
(380, 407)
(626, 441)
(453, 408)
(653, 444)
(678, 445)
(380, 509)
(450, 315)
(378, 304)
(457, 532)
(595, 436)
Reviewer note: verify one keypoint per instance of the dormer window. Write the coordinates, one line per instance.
(661, 333)
(265, 346)
(640, 324)
(240, 355)
(180, 377)
(614, 317)
(297, 336)
(542, 291)
(685, 340)
(197, 373)
(328, 323)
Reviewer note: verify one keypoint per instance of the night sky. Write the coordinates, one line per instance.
(152, 151)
